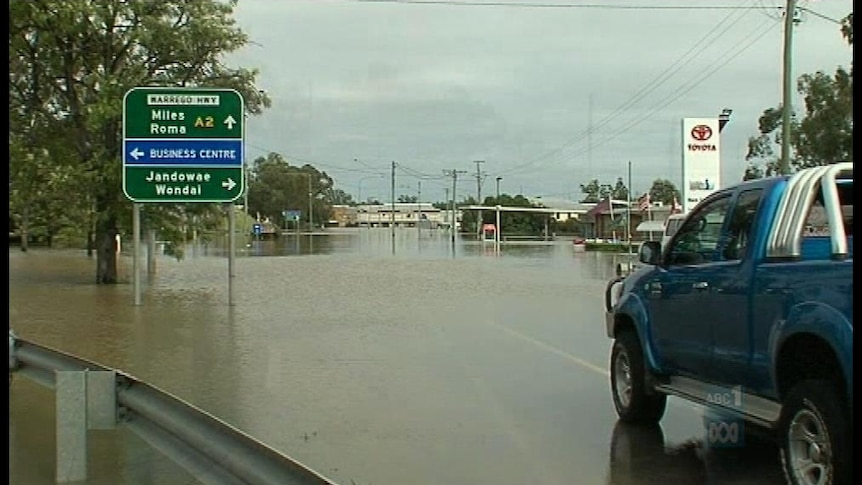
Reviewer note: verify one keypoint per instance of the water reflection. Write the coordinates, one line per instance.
(404, 243)
(461, 369)
(639, 455)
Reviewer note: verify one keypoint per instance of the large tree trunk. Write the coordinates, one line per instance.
(91, 232)
(24, 230)
(106, 251)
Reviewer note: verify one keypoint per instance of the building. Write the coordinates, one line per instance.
(342, 216)
(564, 209)
(604, 223)
(405, 214)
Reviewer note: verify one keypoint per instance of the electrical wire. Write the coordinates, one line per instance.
(684, 89)
(656, 82)
(291, 158)
(595, 6)
(820, 15)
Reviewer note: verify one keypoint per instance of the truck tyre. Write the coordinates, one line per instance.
(815, 437)
(633, 400)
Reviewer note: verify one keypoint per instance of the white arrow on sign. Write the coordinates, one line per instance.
(229, 121)
(136, 153)
(228, 184)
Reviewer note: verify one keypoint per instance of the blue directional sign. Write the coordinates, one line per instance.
(183, 145)
(184, 152)
(291, 215)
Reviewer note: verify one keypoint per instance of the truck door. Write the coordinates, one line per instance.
(678, 293)
(729, 286)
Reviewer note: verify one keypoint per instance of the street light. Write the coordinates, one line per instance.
(723, 118)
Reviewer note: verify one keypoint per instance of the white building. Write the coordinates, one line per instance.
(563, 209)
(405, 214)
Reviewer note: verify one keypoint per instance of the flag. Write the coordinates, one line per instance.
(643, 202)
(675, 208)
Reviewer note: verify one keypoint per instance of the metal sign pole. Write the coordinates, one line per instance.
(497, 232)
(184, 145)
(231, 223)
(136, 256)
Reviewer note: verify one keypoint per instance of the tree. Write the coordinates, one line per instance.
(664, 191)
(620, 191)
(338, 197)
(70, 64)
(407, 199)
(276, 186)
(824, 135)
(595, 192)
(525, 223)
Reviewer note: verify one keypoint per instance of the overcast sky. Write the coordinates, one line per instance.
(549, 97)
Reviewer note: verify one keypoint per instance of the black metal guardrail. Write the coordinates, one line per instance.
(210, 449)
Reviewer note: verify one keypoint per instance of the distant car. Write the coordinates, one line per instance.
(673, 223)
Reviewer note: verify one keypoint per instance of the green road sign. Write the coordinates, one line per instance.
(183, 145)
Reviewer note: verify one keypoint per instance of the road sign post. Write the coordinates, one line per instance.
(183, 145)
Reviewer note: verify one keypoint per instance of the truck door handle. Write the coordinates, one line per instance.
(700, 285)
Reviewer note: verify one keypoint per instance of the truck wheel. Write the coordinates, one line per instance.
(814, 436)
(634, 402)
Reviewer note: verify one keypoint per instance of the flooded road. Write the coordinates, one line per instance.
(372, 365)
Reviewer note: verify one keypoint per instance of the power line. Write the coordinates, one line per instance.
(679, 92)
(675, 67)
(289, 158)
(819, 15)
(685, 88)
(595, 6)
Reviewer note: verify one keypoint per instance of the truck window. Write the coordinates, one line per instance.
(672, 226)
(817, 223)
(741, 222)
(697, 240)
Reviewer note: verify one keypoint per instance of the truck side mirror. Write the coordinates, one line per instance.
(650, 252)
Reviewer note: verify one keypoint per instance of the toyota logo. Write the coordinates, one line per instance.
(701, 132)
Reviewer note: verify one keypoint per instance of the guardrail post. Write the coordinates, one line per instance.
(85, 400)
(101, 399)
(71, 410)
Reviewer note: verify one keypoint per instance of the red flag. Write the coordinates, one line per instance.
(644, 202)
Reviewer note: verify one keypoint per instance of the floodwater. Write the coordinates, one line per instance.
(370, 358)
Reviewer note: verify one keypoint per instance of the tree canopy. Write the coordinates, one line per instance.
(70, 63)
(276, 186)
(822, 135)
(664, 191)
(595, 192)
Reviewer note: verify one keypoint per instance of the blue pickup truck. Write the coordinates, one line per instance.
(748, 311)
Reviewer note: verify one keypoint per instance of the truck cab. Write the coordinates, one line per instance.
(747, 309)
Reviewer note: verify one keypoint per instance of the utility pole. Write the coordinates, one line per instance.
(447, 198)
(497, 227)
(310, 208)
(454, 174)
(479, 197)
(392, 216)
(629, 212)
(419, 212)
(789, 15)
